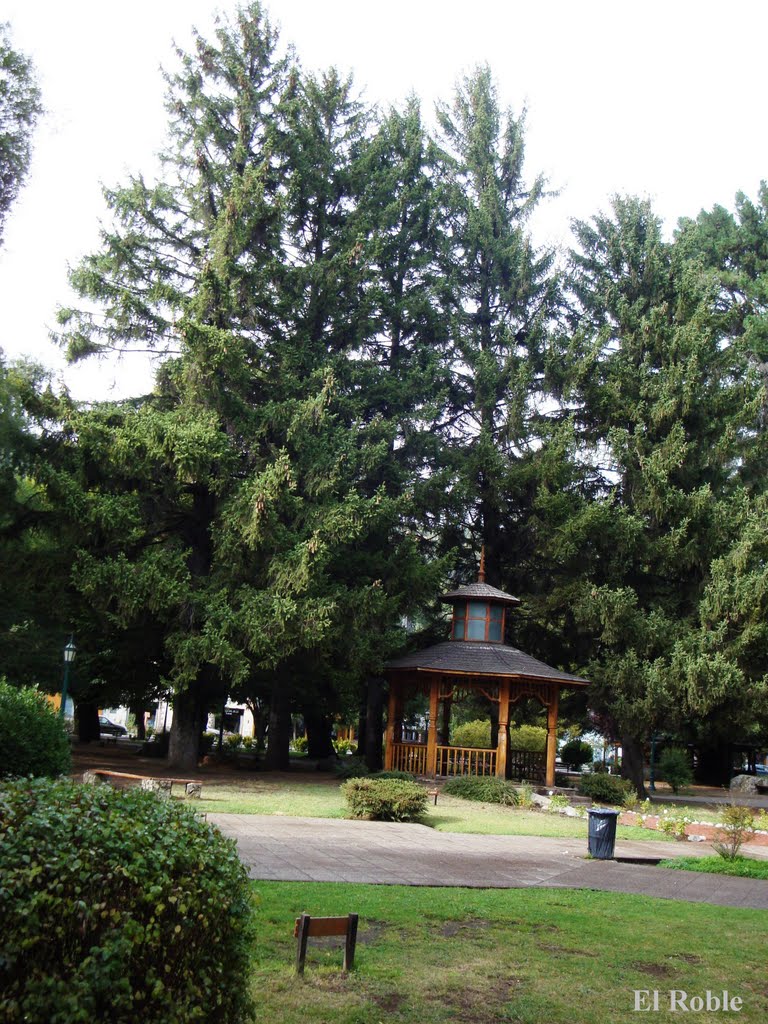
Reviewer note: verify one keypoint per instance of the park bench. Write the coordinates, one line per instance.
(193, 788)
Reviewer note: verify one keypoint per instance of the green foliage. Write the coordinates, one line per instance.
(675, 768)
(350, 768)
(575, 753)
(528, 737)
(673, 822)
(344, 747)
(300, 744)
(233, 742)
(33, 740)
(472, 734)
(489, 790)
(557, 803)
(736, 827)
(385, 799)
(403, 776)
(118, 906)
(609, 789)
(20, 108)
(741, 867)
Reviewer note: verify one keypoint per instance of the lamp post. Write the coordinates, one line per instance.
(69, 656)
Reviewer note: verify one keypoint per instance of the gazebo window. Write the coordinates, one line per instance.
(478, 620)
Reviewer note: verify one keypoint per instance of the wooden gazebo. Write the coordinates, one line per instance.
(474, 661)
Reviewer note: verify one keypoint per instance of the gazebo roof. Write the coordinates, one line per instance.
(456, 657)
(480, 592)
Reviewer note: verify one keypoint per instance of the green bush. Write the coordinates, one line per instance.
(528, 737)
(490, 790)
(344, 747)
(299, 745)
(385, 799)
(350, 768)
(675, 768)
(736, 827)
(120, 907)
(33, 740)
(472, 734)
(403, 776)
(575, 753)
(609, 789)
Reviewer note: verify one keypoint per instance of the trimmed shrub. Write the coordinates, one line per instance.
(472, 734)
(350, 768)
(403, 776)
(575, 753)
(120, 907)
(609, 789)
(385, 799)
(528, 737)
(675, 768)
(33, 739)
(490, 790)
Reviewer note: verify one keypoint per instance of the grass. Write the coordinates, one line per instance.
(469, 956)
(310, 797)
(743, 867)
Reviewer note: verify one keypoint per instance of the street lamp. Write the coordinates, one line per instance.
(69, 656)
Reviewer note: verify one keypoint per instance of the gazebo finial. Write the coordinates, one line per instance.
(481, 572)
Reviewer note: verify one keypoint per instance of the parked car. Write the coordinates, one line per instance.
(111, 728)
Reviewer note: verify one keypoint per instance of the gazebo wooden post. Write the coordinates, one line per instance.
(392, 710)
(503, 740)
(552, 736)
(434, 693)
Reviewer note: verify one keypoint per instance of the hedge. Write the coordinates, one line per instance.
(385, 799)
(33, 739)
(120, 907)
(490, 790)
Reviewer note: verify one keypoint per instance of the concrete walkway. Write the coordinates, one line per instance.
(278, 848)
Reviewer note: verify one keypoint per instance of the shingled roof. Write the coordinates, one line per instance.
(481, 659)
(480, 592)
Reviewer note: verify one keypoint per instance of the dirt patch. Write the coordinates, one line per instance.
(451, 928)
(565, 949)
(689, 958)
(655, 970)
(389, 1003)
(479, 1005)
(371, 932)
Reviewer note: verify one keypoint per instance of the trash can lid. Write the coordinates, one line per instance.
(602, 811)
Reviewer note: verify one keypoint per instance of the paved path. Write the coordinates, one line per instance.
(279, 848)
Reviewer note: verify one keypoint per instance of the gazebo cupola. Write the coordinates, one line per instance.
(479, 610)
(474, 661)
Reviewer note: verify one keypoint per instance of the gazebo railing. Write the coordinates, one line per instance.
(410, 757)
(465, 761)
(525, 764)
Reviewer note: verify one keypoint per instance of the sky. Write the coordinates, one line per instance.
(659, 99)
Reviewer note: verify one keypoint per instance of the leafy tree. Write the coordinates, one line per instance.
(20, 108)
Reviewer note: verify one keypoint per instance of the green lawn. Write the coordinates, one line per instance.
(431, 956)
(742, 867)
(307, 796)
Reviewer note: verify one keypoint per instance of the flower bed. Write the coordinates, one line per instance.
(683, 827)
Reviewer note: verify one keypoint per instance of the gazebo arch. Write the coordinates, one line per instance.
(474, 661)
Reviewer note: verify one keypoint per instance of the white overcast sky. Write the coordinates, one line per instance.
(664, 99)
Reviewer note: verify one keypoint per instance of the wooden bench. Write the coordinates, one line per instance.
(307, 927)
(193, 788)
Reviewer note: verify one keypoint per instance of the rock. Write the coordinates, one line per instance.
(744, 784)
(194, 790)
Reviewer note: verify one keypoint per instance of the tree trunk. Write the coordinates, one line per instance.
(632, 764)
(189, 715)
(279, 730)
(87, 715)
(374, 725)
(319, 735)
(138, 714)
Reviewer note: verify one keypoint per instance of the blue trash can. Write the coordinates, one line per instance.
(602, 832)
